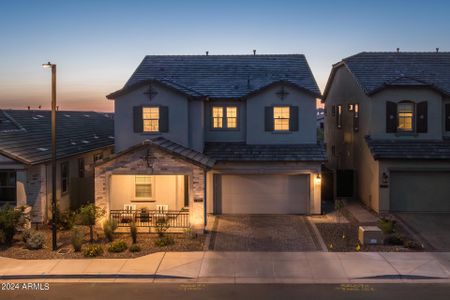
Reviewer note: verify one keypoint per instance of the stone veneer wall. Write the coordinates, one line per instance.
(162, 163)
(36, 192)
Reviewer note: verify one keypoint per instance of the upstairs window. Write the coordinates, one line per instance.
(224, 117)
(65, 177)
(98, 156)
(281, 117)
(8, 187)
(150, 116)
(144, 187)
(339, 116)
(81, 167)
(405, 116)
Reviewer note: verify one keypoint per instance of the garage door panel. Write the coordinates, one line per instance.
(264, 194)
(420, 191)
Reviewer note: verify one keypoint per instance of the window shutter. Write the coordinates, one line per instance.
(164, 119)
(422, 117)
(447, 117)
(268, 119)
(391, 117)
(293, 118)
(138, 123)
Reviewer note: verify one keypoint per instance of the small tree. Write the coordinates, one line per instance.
(133, 232)
(9, 221)
(87, 215)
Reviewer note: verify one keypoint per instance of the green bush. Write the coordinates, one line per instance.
(9, 221)
(118, 246)
(65, 220)
(26, 234)
(189, 234)
(76, 238)
(135, 248)
(164, 241)
(386, 225)
(109, 226)
(413, 245)
(93, 250)
(133, 232)
(35, 241)
(87, 215)
(393, 239)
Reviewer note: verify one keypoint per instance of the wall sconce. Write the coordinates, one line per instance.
(384, 179)
(318, 179)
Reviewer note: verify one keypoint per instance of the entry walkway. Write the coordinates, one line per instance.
(240, 267)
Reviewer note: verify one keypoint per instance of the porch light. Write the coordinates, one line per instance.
(318, 179)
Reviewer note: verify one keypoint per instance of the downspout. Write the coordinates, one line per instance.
(204, 199)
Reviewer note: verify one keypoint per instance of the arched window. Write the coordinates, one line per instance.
(405, 116)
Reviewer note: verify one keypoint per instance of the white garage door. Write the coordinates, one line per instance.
(264, 194)
(420, 191)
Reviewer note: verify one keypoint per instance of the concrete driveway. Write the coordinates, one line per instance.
(263, 233)
(433, 228)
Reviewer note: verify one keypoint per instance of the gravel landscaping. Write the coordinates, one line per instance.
(146, 242)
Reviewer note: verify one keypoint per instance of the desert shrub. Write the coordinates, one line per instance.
(9, 221)
(413, 245)
(393, 239)
(162, 225)
(35, 241)
(92, 250)
(135, 248)
(87, 215)
(26, 234)
(133, 232)
(189, 234)
(118, 246)
(109, 226)
(164, 241)
(65, 220)
(76, 238)
(386, 225)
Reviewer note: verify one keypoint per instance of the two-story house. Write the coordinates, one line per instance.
(83, 137)
(222, 134)
(387, 130)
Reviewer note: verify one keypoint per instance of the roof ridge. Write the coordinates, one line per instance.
(223, 55)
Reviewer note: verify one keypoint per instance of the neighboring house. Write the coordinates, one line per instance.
(320, 118)
(228, 134)
(25, 157)
(387, 130)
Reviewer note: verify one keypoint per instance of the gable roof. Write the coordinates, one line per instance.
(409, 149)
(375, 71)
(25, 135)
(238, 151)
(222, 76)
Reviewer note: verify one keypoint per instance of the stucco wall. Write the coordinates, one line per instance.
(125, 136)
(307, 117)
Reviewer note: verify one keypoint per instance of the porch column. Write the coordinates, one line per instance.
(197, 200)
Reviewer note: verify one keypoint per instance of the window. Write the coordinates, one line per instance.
(339, 116)
(64, 177)
(98, 156)
(81, 167)
(217, 113)
(144, 187)
(231, 117)
(227, 113)
(150, 116)
(281, 116)
(356, 117)
(8, 187)
(405, 115)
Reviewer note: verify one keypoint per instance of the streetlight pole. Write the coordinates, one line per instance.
(54, 212)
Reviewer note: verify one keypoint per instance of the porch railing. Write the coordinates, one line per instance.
(150, 218)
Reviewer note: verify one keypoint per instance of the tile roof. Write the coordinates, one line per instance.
(377, 70)
(223, 76)
(25, 135)
(245, 152)
(408, 149)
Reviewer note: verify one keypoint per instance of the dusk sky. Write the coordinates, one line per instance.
(98, 44)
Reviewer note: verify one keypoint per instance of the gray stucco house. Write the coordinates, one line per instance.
(221, 134)
(25, 158)
(387, 130)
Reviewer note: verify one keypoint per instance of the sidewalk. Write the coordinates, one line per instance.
(240, 267)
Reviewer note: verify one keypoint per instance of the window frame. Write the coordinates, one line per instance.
(152, 189)
(82, 167)
(413, 117)
(98, 156)
(13, 187)
(64, 177)
(224, 117)
(339, 112)
(158, 119)
(282, 118)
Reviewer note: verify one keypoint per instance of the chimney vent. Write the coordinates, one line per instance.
(29, 107)
(398, 50)
(437, 50)
(254, 52)
(207, 52)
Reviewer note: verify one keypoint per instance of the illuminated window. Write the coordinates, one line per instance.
(217, 113)
(281, 115)
(339, 116)
(231, 117)
(405, 116)
(144, 187)
(150, 116)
